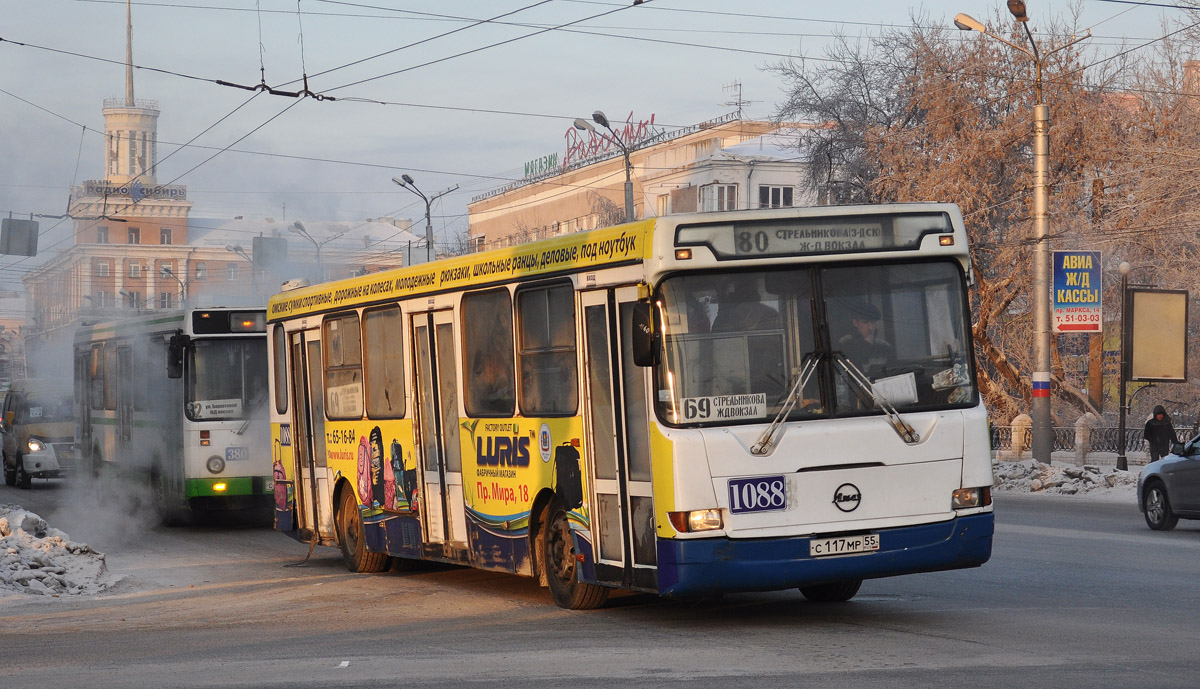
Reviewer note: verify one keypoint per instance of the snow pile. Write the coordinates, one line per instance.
(38, 559)
(1035, 477)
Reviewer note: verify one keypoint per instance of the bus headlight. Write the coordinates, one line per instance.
(35, 445)
(966, 498)
(696, 520)
(215, 465)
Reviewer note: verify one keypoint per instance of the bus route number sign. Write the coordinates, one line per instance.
(757, 494)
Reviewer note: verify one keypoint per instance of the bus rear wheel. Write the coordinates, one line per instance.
(350, 538)
(836, 592)
(558, 559)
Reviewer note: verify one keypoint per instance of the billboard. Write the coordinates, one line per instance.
(1157, 334)
(1077, 306)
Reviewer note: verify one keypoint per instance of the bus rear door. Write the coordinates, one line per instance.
(442, 507)
(308, 424)
(617, 418)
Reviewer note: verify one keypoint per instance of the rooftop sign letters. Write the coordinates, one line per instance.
(596, 143)
(135, 190)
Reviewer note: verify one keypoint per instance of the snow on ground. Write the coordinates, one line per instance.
(1065, 479)
(38, 559)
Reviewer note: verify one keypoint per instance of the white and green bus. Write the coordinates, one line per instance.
(177, 400)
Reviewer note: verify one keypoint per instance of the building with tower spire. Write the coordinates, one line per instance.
(135, 246)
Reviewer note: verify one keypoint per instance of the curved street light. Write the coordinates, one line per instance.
(408, 183)
(599, 118)
(167, 272)
(1043, 432)
(298, 228)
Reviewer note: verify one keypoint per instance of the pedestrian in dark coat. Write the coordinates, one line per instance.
(1159, 434)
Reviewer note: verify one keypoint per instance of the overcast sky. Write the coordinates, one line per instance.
(468, 108)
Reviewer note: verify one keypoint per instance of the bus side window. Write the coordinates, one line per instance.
(546, 354)
(96, 378)
(343, 367)
(383, 356)
(279, 343)
(487, 332)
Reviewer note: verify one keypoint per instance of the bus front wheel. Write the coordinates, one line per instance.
(350, 538)
(836, 592)
(558, 559)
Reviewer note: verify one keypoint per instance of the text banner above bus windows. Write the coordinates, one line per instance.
(597, 248)
(813, 236)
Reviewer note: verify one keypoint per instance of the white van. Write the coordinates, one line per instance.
(38, 429)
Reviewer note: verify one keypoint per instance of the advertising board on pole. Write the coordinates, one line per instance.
(1077, 306)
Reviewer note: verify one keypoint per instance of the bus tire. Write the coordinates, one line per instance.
(558, 560)
(835, 592)
(10, 474)
(350, 538)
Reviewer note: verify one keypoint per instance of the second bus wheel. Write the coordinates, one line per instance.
(350, 538)
(559, 561)
(836, 592)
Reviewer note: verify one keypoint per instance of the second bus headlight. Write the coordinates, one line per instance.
(35, 445)
(215, 464)
(696, 520)
(966, 498)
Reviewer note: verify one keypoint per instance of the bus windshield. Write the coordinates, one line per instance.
(226, 379)
(840, 341)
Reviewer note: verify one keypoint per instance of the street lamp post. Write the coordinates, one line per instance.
(298, 228)
(1043, 431)
(407, 182)
(241, 253)
(167, 272)
(599, 118)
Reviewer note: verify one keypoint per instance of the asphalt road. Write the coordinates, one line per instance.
(1078, 594)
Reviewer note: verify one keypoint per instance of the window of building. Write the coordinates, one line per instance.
(164, 235)
(166, 300)
(546, 351)
(343, 367)
(719, 197)
(231, 272)
(135, 269)
(383, 331)
(664, 204)
(135, 235)
(774, 196)
(102, 234)
(487, 329)
(201, 270)
(102, 269)
(133, 300)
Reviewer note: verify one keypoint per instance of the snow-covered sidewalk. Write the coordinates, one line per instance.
(1064, 479)
(38, 559)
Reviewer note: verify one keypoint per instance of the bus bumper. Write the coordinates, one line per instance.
(235, 493)
(708, 566)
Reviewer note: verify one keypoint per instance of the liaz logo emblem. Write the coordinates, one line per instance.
(846, 497)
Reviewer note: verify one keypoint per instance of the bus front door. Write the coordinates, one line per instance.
(308, 436)
(443, 511)
(618, 428)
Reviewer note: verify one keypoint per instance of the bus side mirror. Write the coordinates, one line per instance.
(175, 347)
(644, 337)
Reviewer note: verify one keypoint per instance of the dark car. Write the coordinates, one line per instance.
(1169, 489)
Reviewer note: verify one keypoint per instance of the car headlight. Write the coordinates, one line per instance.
(215, 465)
(35, 445)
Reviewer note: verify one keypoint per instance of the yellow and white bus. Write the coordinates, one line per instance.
(685, 405)
(178, 400)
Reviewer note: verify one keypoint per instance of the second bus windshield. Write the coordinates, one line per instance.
(227, 378)
(735, 343)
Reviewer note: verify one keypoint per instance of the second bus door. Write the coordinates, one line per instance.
(442, 507)
(308, 437)
(618, 423)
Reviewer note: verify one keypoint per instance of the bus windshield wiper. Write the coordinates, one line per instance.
(766, 441)
(906, 432)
